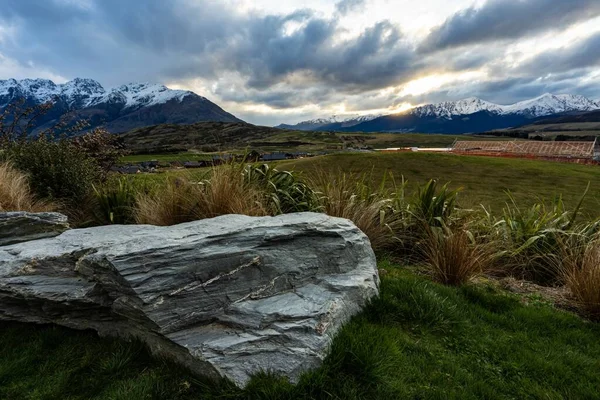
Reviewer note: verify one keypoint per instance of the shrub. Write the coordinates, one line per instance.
(114, 203)
(455, 257)
(102, 147)
(56, 169)
(433, 207)
(285, 192)
(15, 193)
(530, 237)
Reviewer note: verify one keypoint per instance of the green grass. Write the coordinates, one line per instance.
(484, 179)
(419, 340)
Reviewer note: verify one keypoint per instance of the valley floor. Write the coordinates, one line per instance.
(484, 180)
(419, 340)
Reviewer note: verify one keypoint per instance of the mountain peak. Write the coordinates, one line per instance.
(117, 104)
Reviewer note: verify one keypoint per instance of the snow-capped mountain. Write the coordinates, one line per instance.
(462, 116)
(448, 109)
(121, 108)
(547, 104)
(332, 123)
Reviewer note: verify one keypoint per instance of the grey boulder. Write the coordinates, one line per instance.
(226, 297)
(19, 226)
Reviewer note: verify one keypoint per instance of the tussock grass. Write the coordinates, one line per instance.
(16, 194)
(454, 257)
(181, 200)
(579, 265)
(378, 213)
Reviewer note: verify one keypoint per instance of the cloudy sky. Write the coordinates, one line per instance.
(272, 61)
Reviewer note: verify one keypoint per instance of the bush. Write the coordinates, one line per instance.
(114, 203)
(56, 169)
(15, 193)
(432, 207)
(285, 192)
(531, 237)
(102, 147)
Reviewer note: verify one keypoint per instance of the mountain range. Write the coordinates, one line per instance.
(138, 105)
(119, 109)
(471, 115)
(333, 123)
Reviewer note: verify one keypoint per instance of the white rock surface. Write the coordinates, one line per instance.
(229, 296)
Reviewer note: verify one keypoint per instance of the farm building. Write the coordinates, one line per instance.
(580, 152)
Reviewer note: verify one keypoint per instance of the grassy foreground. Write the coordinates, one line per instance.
(419, 340)
(484, 179)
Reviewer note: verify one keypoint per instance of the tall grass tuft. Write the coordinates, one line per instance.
(454, 257)
(223, 191)
(579, 264)
(114, 203)
(434, 207)
(378, 213)
(532, 236)
(16, 194)
(285, 192)
(228, 192)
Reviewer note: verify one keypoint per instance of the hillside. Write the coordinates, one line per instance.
(575, 126)
(220, 136)
(207, 136)
(118, 109)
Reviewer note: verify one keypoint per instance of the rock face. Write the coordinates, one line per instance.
(229, 296)
(16, 227)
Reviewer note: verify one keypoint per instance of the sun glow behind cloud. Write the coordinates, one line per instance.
(429, 83)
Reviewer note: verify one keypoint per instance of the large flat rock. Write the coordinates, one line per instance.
(228, 296)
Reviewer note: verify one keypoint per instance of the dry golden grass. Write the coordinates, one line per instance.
(182, 200)
(15, 193)
(581, 274)
(348, 196)
(454, 257)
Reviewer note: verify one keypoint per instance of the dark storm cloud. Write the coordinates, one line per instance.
(581, 55)
(297, 59)
(167, 40)
(508, 19)
(377, 58)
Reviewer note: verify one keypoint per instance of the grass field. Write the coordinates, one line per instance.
(419, 340)
(484, 179)
(293, 141)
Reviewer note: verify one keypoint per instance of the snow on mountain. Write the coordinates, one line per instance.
(81, 93)
(541, 106)
(119, 109)
(341, 120)
(549, 104)
(448, 109)
(146, 94)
